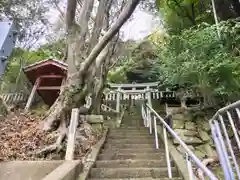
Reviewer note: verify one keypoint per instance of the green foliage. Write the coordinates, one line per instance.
(182, 14)
(196, 58)
(199, 58)
(137, 67)
(21, 58)
(117, 76)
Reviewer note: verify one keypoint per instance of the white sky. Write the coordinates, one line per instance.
(141, 25)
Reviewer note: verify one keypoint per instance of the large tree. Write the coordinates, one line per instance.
(88, 52)
(183, 14)
(29, 17)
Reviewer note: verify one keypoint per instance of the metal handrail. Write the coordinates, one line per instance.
(147, 122)
(222, 139)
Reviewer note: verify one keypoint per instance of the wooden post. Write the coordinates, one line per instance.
(72, 134)
(31, 96)
(118, 100)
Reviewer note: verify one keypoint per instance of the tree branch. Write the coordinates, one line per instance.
(124, 16)
(96, 33)
(70, 15)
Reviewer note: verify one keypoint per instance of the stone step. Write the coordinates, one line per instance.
(131, 172)
(130, 121)
(130, 133)
(129, 130)
(130, 127)
(139, 156)
(133, 146)
(131, 141)
(131, 163)
(146, 178)
(132, 150)
(126, 136)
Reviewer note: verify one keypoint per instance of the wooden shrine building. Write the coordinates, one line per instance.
(46, 77)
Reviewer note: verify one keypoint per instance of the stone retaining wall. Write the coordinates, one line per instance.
(195, 131)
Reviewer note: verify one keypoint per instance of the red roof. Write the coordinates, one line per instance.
(47, 67)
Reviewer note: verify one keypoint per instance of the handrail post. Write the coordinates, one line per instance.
(219, 149)
(148, 110)
(149, 96)
(72, 134)
(155, 131)
(189, 165)
(181, 142)
(229, 145)
(118, 100)
(234, 129)
(150, 122)
(167, 152)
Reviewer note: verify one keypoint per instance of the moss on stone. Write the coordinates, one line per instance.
(204, 135)
(190, 125)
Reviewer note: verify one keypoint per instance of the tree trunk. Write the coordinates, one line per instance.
(75, 90)
(80, 80)
(236, 7)
(98, 94)
(72, 95)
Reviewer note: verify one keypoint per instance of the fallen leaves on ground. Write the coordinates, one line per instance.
(21, 136)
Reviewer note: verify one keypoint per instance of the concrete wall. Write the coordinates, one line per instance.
(26, 170)
(40, 170)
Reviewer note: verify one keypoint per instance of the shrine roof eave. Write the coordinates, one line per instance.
(57, 63)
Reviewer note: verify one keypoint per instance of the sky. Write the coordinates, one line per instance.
(141, 25)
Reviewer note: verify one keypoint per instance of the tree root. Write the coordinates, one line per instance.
(52, 116)
(57, 146)
(4, 108)
(206, 162)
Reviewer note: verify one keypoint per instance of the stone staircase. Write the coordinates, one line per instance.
(130, 153)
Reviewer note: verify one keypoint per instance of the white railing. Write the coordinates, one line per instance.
(17, 97)
(107, 108)
(104, 107)
(12, 98)
(227, 116)
(150, 118)
(138, 94)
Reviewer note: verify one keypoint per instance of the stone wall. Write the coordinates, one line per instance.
(195, 131)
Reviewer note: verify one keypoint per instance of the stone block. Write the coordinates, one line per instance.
(201, 148)
(94, 119)
(199, 154)
(211, 143)
(178, 124)
(204, 125)
(189, 140)
(209, 150)
(178, 117)
(182, 150)
(186, 132)
(190, 125)
(204, 135)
